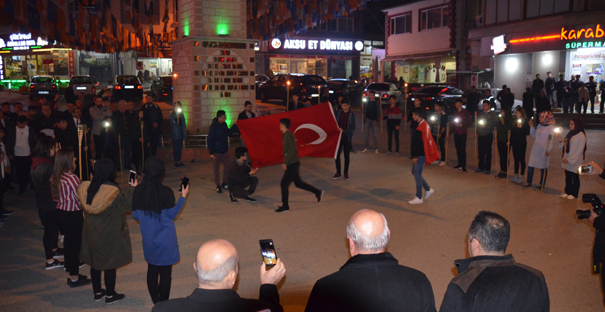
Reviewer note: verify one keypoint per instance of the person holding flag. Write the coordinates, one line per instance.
(424, 151)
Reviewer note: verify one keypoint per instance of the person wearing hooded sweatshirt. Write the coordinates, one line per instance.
(41, 172)
(574, 155)
(105, 236)
(502, 128)
(153, 206)
(539, 155)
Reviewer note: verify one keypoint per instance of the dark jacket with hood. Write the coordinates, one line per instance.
(218, 137)
(496, 284)
(41, 171)
(352, 123)
(374, 282)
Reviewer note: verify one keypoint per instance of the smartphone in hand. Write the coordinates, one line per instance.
(268, 251)
(184, 184)
(132, 176)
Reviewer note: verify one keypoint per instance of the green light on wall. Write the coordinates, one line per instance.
(222, 29)
(186, 26)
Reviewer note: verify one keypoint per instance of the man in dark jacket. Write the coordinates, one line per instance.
(218, 146)
(543, 103)
(372, 279)
(346, 124)
(549, 86)
(247, 113)
(560, 89)
(216, 270)
(472, 102)
(491, 280)
(507, 100)
(485, 137)
(536, 86)
(591, 85)
(122, 120)
(371, 114)
(240, 177)
(153, 119)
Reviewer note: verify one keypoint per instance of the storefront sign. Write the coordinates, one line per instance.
(71, 62)
(584, 33)
(23, 42)
(586, 44)
(588, 56)
(317, 45)
(498, 45)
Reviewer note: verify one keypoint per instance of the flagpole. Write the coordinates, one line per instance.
(142, 148)
(447, 141)
(80, 133)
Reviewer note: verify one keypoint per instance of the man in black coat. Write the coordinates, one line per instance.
(153, 120)
(218, 147)
(372, 280)
(549, 86)
(472, 102)
(536, 86)
(247, 113)
(242, 184)
(560, 88)
(216, 270)
(491, 280)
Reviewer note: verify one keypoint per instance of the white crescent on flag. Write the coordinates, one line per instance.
(322, 134)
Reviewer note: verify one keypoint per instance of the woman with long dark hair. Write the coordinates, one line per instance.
(574, 153)
(153, 206)
(41, 172)
(518, 141)
(178, 133)
(64, 186)
(105, 236)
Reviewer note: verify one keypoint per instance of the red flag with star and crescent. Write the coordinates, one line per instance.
(314, 127)
(430, 148)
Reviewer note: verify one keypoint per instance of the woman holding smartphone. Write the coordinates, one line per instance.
(574, 154)
(153, 206)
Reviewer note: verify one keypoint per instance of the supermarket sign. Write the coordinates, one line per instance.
(22, 42)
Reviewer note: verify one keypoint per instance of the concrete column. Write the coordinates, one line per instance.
(213, 61)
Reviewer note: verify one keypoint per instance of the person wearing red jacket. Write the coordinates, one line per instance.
(424, 151)
(461, 120)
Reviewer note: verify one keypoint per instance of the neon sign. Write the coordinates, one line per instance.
(24, 42)
(322, 45)
(585, 32)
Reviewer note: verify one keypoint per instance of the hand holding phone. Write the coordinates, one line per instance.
(132, 177)
(268, 252)
(184, 184)
(273, 276)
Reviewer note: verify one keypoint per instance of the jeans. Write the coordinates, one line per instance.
(346, 146)
(392, 131)
(572, 183)
(519, 155)
(218, 159)
(417, 172)
(110, 281)
(552, 99)
(370, 126)
(159, 291)
(70, 224)
(177, 149)
(530, 175)
(560, 99)
(460, 142)
(292, 174)
(126, 143)
(484, 146)
(239, 190)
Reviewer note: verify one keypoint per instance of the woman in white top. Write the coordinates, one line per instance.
(540, 151)
(574, 155)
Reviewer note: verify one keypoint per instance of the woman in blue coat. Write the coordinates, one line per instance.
(178, 134)
(153, 206)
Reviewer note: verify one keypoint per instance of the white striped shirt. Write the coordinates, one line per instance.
(68, 196)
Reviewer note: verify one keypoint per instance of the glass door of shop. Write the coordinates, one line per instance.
(298, 66)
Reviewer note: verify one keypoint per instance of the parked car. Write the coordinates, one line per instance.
(259, 79)
(161, 88)
(436, 94)
(383, 91)
(306, 86)
(353, 90)
(42, 86)
(127, 87)
(80, 84)
(496, 107)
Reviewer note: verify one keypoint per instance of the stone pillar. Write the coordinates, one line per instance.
(213, 61)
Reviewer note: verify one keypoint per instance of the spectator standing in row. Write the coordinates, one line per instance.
(393, 117)
(98, 113)
(518, 142)
(485, 137)
(472, 102)
(295, 104)
(550, 88)
(502, 128)
(122, 121)
(5, 171)
(568, 96)
(438, 129)
(371, 112)
(178, 133)
(218, 147)
(583, 98)
(346, 125)
(359, 285)
(140, 141)
(105, 236)
(490, 280)
(574, 153)
(23, 142)
(153, 119)
(602, 89)
(560, 90)
(543, 104)
(153, 205)
(461, 122)
(507, 100)
(591, 85)
(575, 84)
(537, 86)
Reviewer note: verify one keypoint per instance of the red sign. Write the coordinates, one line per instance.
(71, 64)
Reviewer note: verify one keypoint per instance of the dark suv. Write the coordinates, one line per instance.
(436, 94)
(307, 87)
(127, 88)
(161, 88)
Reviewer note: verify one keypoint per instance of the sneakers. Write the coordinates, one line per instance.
(219, 189)
(464, 170)
(435, 162)
(336, 176)
(376, 152)
(538, 188)
(282, 209)
(58, 254)
(429, 193)
(564, 195)
(319, 196)
(389, 153)
(501, 175)
(100, 295)
(232, 198)
(81, 281)
(53, 265)
(519, 179)
(346, 177)
(415, 201)
(441, 163)
(571, 197)
(457, 167)
(479, 170)
(526, 185)
(512, 179)
(365, 150)
(115, 298)
(250, 199)
(225, 186)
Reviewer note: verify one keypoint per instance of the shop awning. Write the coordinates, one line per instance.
(416, 56)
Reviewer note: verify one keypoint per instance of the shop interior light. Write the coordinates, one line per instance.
(531, 39)
(547, 59)
(512, 63)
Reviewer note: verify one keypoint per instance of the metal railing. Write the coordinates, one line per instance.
(196, 141)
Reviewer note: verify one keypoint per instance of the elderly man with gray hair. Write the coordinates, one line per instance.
(372, 279)
(216, 268)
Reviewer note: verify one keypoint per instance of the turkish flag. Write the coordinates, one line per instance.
(314, 127)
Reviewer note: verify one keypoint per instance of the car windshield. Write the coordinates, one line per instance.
(315, 80)
(336, 84)
(166, 80)
(128, 79)
(260, 78)
(81, 80)
(43, 80)
(379, 87)
(430, 90)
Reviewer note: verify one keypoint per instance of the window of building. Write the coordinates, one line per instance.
(434, 17)
(401, 24)
(341, 24)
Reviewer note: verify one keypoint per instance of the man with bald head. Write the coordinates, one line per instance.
(372, 279)
(216, 269)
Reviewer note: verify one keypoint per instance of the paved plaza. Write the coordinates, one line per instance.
(311, 240)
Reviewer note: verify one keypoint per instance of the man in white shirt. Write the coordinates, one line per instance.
(23, 142)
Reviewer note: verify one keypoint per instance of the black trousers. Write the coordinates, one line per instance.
(346, 146)
(581, 104)
(110, 281)
(519, 155)
(239, 190)
(460, 142)
(137, 154)
(572, 183)
(70, 224)
(159, 291)
(154, 140)
(392, 131)
(560, 99)
(602, 103)
(592, 100)
(22, 166)
(292, 174)
(441, 142)
(503, 152)
(99, 146)
(3, 183)
(484, 147)
(51, 231)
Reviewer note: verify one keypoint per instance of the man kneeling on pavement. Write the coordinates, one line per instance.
(240, 177)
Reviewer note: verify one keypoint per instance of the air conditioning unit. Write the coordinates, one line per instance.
(479, 21)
